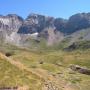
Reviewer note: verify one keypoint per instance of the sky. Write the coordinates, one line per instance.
(55, 8)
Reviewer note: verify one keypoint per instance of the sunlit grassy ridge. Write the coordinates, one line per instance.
(11, 76)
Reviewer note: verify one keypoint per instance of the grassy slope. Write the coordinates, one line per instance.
(11, 76)
(55, 62)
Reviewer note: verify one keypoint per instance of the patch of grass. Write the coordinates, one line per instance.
(50, 67)
(11, 76)
(54, 61)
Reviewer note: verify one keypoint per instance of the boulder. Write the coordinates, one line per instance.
(80, 69)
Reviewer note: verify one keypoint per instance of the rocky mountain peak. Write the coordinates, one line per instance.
(77, 22)
(36, 23)
(11, 21)
(9, 25)
(14, 26)
(14, 16)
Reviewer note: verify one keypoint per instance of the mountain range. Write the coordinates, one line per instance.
(45, 53)
(18, 31)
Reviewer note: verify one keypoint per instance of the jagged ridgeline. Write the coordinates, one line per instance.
(42, 31)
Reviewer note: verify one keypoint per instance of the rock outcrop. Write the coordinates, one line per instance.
(77, 22)
(9, 25)
(45, 26)
(80, 69)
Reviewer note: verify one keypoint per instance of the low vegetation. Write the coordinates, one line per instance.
(52, 65)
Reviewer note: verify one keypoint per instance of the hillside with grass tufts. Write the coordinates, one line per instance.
(45, 53)
(44, 70)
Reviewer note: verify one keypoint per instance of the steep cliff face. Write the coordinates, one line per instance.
(44, 26)
(35, 23)
(10, 22)
(60, 24)
(77, 22)
(9, 25)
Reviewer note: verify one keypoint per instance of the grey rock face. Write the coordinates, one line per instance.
(9, 25)
(60, 24)
(14, 29)
(43, 25)
(10, 22)
(35, 23)
(77, 22)
(52, 35)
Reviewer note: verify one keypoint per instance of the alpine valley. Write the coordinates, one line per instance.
(45, 53)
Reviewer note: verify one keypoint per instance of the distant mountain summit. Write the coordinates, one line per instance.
(78, 21)
(14, 28)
